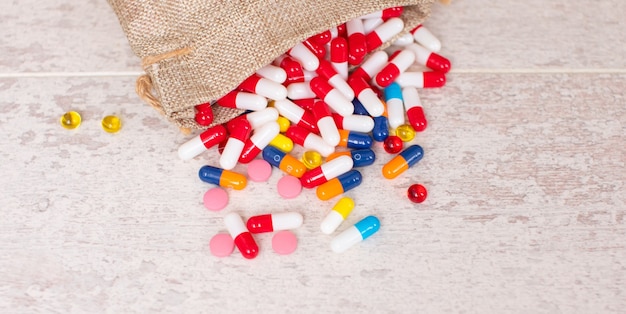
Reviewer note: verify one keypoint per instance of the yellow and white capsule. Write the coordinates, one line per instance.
(337, 215)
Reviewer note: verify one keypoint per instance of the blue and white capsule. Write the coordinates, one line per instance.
(355, 234)
(395, 105)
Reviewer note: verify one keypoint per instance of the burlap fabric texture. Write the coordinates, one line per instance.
(195, 51)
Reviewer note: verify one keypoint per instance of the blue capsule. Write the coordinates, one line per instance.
(358, 108)
(352, 139)
(381, 129)
(393, 91)
(362, 157)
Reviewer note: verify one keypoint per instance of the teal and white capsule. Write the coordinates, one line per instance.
(355, 234)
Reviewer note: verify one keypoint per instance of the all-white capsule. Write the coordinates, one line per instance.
(272, 72)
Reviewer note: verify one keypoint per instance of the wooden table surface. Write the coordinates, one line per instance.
(524, 161)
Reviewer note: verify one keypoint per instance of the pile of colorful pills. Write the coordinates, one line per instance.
(335, 94)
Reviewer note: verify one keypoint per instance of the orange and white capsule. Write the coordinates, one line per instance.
(430, 59)
(243, 100)
(264, 87)
(239, 130)
(425, 38)
(331, 96)
(366, 96)
(384, 33)
(398, 64)
(203, 142)
(259, 140)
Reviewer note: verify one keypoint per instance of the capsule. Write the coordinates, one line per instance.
(371, 66)
(337, 215)
(422, 79)
(300, 90)
(360, 157)
(370, 25)
(273, 73)
(223, 178)
(242, 237)
(359, 109)
(282, 142)
(305, 56)
(355, 234)
(296, 115)
(355, 122)
(425, 38)
(259, 140)
(430, 59)
(322, 38)
(263, 87)
(259, 118)
(327, 171)
(201, 143)
(395, 106)
(326, 124)
(274, 222)
(339, 185)
(331, 96)
(385, 14)
(384, 33)
(396, 66)
(243, 100)
(285, 162)
(293, 69)
(414, 110)
(204, 114)
(239, 130)
(326, 71)
(381, 129)
(403, 161)
(318, 50)
(357, 42)
(352, 139)
(366, 96)
(306, 104)
(309, 140)
(404, 40)
(339, 56)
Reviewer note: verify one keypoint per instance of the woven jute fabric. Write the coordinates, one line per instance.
(195, 51)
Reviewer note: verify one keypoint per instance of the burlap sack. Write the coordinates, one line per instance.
(195, 51)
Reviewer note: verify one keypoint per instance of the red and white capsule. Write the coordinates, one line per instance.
(259, 140)
(421, 79)
(297, 115)
(367, 96)
(322, 38)
(293, 69)
(264, 87)
(331, 96)
(339, 56)
(326, 71)
(203, 142)
(414, 110)
(384, 33)
(317, 49)
(300, 90)
(239, 130)
(305, 56)
(425, 38)
(273, 73)
(243, 100)
(371, 66)
(370, 24)
(430, 59)
(354, 122)
(326, 124)
(309, 140)
(404, 40)
(274, 222)
(398, 64)
(259, 118)
(326, 171)
(242, 237)
(357, 43)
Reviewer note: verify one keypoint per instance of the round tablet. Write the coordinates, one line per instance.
(284, 242)
(215, 199)
(289, 187)
(259, 170)
(222, 245)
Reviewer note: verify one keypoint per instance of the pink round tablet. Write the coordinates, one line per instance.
(222, 245)
(289, 187)
(259, 170)
(284, 242)
(215, 199)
